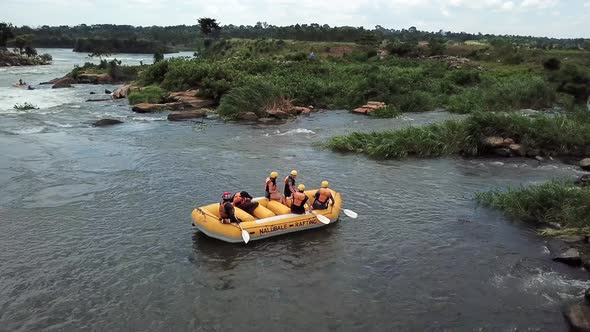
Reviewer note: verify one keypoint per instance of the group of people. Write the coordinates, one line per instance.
(293, 196)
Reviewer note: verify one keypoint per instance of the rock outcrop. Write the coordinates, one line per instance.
(153, 108)
(578, 316)
(106, 122)
(95, 79)
(248, 116)
(123, 91)
(186, 115)
(585, 164)
(190, 100)
(64, 82)
(570, 257)
(369, 107)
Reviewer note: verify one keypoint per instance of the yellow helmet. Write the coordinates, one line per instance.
(294, 172)
(301, 187)
(325, 184)
(274, 175)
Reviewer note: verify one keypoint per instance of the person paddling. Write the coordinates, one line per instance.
(290, 187)
(322, 197)
(299, 200)
(270, 188)
(226, 209)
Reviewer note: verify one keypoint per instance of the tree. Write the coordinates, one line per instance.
(30, 51)
(5, 33)
(209, 27)
(23, 41)
(158, 56)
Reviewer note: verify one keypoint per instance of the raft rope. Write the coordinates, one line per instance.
(215, 217)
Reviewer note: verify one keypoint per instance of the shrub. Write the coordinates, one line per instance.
(150, 94)
(46, 57)
(552, 64)
(386, 112)
(556, 201)
(26, 106)
(251, 96)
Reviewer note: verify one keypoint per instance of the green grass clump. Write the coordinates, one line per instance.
(567, 134)
(254, 96)
(556, 202)
(387, 112)
(26, 106)
(150, 94)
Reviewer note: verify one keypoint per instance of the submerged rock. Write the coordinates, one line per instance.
(267, 120)
(61, 85)
(570, 257)
(107, 91)
(106, 122)
(187, 115)
(585, 164)
(578, 316)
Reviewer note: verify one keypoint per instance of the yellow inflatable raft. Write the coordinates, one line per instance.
(270, 218)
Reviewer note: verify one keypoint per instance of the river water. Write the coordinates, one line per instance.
(95, 227)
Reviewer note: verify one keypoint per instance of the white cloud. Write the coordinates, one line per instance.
(508, 5)
(538, 4)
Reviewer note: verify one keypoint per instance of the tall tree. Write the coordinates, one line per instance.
(5, 33)
(209, 26)
(22, 41)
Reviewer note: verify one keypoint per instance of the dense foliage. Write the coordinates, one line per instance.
(549, 135)
(553, 202)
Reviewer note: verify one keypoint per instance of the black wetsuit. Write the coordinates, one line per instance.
(288, 185)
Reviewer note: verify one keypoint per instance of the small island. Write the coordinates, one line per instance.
(23, 54)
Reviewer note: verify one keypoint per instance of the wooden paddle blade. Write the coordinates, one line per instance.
(351, 213)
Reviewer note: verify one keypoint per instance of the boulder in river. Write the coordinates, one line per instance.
(99, 99)
(186, 115)
(578, 316)
(86, 78)
(248, 116)
(370, 107)
(106, 122)
(278, 114)
(583, 181)
(267, 120)
(517, 149)
(153, 108)
(107, 91)
(585, 164)
(570, 257)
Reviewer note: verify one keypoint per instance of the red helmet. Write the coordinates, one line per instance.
(226, 195)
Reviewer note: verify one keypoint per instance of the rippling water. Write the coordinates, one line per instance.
(95, 227)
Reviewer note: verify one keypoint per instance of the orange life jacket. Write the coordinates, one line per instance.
(272, 187)
(325, 195)
(298, 199)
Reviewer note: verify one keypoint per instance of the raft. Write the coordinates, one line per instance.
(270, 218)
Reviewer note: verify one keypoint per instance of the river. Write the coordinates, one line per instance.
(95, 227)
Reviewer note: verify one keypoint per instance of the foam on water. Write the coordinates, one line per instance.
(294, 132)
(28, 130)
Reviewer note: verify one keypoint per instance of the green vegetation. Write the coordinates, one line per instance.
(387, 112)
(149, 94)
(550, 135)
(553, 202)
(26, 106)
(118, 72)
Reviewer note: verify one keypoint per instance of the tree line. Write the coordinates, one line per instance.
(193, 36)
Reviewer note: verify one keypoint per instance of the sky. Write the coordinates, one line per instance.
(553, 18)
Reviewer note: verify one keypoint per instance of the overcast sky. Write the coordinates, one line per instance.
(555, 18)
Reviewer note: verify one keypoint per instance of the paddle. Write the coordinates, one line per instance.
(349, 213)
(245, 235)
(322, 219)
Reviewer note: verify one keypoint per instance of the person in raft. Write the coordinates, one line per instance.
(322, 197)
(270, 188)
(243, 200)
(290, 187)
(299, 200)
(226, 209)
